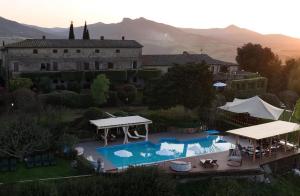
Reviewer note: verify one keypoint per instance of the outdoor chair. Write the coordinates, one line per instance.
(214, 163)
(131, 136)
(206, 163)
(138, 135)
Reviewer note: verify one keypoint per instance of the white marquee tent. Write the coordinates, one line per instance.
(255, 106)
(124, 122)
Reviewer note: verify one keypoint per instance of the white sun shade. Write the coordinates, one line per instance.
(255, 106)
(120, 122)
(266, 130)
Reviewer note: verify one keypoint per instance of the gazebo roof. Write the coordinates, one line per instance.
(120, 122)
(266, 130)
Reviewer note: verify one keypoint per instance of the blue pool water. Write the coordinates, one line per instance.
(142, 153)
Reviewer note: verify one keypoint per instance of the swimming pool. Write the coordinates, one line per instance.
(142, 153)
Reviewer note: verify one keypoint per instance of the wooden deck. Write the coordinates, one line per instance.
(248, 165)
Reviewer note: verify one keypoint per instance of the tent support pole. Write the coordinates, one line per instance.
(105, 135)
(254, 150)
(147, 131)
(285, 141)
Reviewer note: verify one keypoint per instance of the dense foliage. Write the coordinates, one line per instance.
(187, 85)
(18, 83)
(146, 181)
(99, 89)
(127, 93)
(255, 58)
(22, 136)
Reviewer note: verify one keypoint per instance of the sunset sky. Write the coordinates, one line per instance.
(264, 16)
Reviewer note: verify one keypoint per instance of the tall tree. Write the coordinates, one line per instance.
(71, 32)
(86, 34)
(255, 58)
(100, 88)
(23, 136)
(187, 85)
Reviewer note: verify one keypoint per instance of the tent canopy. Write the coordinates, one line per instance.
(266, 130)
(255, 106)
(120, 122)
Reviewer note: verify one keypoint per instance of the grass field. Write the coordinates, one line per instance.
(61, 169)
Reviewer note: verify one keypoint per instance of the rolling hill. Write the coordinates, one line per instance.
(158, 38)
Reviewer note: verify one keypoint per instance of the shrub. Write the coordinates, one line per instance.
(18, 83)
(127, 93)
(289, 98)
(74, 86)
(113, 99)
(25, 100)
(67, 98)
(93, 113)
(44, 84)
(84, 166)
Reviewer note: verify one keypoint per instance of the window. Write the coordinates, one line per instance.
(78, 65)
(77, 51)
(16, 67)
(97, 51)
(55, 66)
(110, 65)
(134, 79)
(97, 65)
(48, 68)
(54, 51)
(117, 51)
(35, 51)
(134, 65)
(66, 50)
(43, 66)
(86, 66)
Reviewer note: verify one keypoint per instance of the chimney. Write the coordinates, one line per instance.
(44, 37)
(123, 37)
(102, 38)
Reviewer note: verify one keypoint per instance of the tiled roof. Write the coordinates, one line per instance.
(65, 43)
(180, 59)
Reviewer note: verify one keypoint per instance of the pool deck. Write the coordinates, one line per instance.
(248, 164)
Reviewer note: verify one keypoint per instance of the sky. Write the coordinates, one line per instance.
(263, 16)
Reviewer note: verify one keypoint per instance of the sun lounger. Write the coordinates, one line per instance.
(138, 135)
(131, 136)
(290, 145)
(206, 163)
(181, 166)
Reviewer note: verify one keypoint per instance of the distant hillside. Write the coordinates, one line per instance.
(158, 38)
(11, 31)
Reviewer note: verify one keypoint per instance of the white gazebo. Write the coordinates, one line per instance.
(124, 122)
(269, 130)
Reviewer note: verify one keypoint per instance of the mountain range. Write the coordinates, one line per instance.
(158, 38)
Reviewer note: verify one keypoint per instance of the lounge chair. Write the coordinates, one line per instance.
(181, 166)
(206, 163)
(288, 144)
(138, 135)
(214, 163)
(131, 136)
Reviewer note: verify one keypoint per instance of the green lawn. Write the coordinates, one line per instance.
(61, 169)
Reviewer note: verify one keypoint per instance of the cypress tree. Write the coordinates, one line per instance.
(85, 34)
(71, 31)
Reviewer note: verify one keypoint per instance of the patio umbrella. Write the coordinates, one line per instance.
(123, 153)
(165, 152)
(219, 84)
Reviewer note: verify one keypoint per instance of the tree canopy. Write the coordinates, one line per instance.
(255, 58)
(188, 85)
(18, 83)
(23, 136)
(127, 93)
(100, 88)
